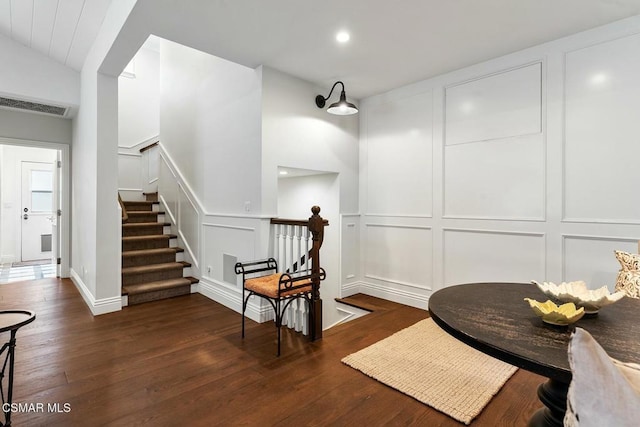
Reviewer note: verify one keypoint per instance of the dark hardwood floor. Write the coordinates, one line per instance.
(182, 362)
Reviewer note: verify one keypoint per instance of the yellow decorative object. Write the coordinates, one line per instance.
(554, 315)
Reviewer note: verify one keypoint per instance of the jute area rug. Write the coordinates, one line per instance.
(428, 364)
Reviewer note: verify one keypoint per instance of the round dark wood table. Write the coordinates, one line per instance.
(495, 319)
(10, 321)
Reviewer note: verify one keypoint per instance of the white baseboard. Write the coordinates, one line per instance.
(97, 306)
(349, 289)
(385, 292)
(231, 298)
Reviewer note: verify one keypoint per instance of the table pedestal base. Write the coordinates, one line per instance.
(553, 394)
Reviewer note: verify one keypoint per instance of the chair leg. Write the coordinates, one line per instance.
(278, 323)
(245, 300)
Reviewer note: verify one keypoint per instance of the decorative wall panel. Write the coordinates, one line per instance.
(601, 132)
(222, 240)
(168, 190)
(399, 254)
(492, 256)
(503, 179)
(591, 258)
(130, 172)
(188, 225)
(350, 247)
(399, 157)
(501, 105)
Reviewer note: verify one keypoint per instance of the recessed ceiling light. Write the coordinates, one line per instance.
(343, 37)
(599, 79)
(284, 173)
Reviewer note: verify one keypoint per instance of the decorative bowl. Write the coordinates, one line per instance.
(554, 315)
(577, 293)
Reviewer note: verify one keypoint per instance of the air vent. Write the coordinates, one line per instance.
(17, 104)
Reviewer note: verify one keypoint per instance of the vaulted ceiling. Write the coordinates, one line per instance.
(392, 42)
(60, 29)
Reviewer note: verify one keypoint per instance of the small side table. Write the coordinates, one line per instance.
(10, 321)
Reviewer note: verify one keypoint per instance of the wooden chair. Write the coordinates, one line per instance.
(259, 278)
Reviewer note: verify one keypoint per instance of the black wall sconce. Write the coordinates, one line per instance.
(342, 107)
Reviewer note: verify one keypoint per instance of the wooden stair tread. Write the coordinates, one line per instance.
(142, 252)
(140, 202)
(155, 267)
(158, 285)
(149, 269)
(145, 224)
(357, 304)
(145, 213)
(150, 237)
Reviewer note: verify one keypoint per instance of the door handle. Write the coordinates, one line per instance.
(25, 216)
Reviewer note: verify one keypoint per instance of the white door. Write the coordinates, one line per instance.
(56, 244)
(37, 211)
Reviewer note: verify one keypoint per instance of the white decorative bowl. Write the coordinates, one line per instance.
(577, 293)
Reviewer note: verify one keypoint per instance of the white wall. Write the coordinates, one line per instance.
(215, 150)
(29, 75)
(515, 169)
(139, 125)
(210, 115)
(296, 133)
(11, 158)
(34, 127)
(95, 261)
(139, 100)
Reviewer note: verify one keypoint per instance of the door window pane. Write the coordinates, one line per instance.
(41, 180)
(41, 201)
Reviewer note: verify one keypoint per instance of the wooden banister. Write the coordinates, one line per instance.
(149, 147)
(125, 215)
(316, 227)
(298, 222)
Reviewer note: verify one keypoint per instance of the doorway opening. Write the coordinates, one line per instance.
(33, 243)
(298, 190)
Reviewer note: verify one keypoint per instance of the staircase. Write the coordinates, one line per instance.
(151, 269)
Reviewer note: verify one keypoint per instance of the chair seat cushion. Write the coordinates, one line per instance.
(269, 285)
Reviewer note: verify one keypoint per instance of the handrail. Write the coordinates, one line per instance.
(125, 215)
(148, 147)
(299, 222)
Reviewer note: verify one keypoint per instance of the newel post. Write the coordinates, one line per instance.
(316, 227)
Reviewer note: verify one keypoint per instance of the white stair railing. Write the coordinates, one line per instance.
(292, 243)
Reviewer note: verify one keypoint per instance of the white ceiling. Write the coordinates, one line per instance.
(393, 43)
(60, 29)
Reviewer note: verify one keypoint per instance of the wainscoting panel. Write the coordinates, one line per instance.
(222, 239)
(350, 250)
(601, 132)
(492, 256)
(168, 189)
(399, 157)
(188, 226)
(502, 179)
(153, 164)
(130, 173)
(399, 255)
(501, 105)
(591, 258)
